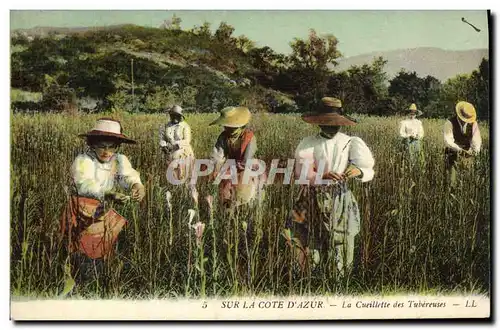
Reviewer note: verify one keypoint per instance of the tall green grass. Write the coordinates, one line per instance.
(416, 236)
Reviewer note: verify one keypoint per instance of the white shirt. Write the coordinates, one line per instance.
(93, 179)
(449, 139)
(175, 134)
(337, 153)
(411, 128)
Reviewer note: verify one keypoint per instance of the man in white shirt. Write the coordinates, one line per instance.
(411, 131)
(462, 138)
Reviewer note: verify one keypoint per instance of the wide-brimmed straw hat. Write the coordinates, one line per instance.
(233, 117)
(466, 112)
(107, 127)
(176, 109)
(329, 113)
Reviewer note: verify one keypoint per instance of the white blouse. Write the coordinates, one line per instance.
(175, 134)
(93, 179)
(411, 128)
(336, 153)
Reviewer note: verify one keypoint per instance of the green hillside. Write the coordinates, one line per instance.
(143, 69)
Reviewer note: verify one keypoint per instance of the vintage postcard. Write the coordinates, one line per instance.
(250, 165)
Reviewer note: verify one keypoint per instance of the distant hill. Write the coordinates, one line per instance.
(440, 63)
(45, 30)
(144, 69)
(169, 66)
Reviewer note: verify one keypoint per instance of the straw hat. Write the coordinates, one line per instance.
(466, 112)
(413, 110)
(107, 127)
(233, 117)
(176, 109)
(329, 113)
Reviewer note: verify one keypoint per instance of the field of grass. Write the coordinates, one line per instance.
(416, 235)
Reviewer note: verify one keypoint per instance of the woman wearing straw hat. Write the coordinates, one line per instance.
(237, 143)
(175, 141)
(326, 215)
(461, 137)
(89, 226)
(411, 131)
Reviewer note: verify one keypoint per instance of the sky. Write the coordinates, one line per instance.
(358, 32)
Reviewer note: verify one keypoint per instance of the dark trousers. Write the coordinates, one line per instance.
(85, 270)
(452, 163)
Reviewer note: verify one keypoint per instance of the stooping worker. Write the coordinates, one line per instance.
(175, 142)
(326, 216)
(462, 139)
(236, 143)
(235, 147)
(411, 131)
(89, 226)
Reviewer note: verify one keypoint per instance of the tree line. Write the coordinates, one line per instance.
(142, 69)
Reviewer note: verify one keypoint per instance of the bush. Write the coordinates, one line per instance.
(215, 99)
(281, 103)
(25, 106)
(58, 98)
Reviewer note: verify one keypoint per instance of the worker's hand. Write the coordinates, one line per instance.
(138, 192)
(117, 197)
(467, 153)
(352, 172)
(240, 166)
(333, 176)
